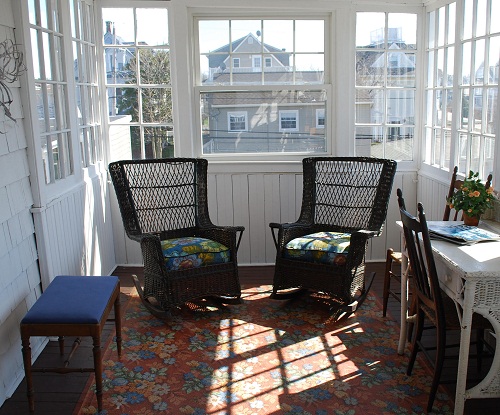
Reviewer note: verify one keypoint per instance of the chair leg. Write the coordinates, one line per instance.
(438, 365)
(387, 280)
(415, 342)
(98, 370)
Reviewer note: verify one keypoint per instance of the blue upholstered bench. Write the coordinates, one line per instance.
(72, 306)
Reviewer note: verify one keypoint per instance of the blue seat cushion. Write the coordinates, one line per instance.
(321, 247)
(72, 300)
(193, 252)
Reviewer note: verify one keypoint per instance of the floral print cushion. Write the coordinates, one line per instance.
(193, 252)
(322, 247)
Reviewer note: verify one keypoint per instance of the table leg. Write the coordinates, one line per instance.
(463, 357)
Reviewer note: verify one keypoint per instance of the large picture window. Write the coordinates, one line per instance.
(386, 73)
(273, 70)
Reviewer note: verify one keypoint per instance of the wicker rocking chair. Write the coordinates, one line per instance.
(163, 204)
(344, 204)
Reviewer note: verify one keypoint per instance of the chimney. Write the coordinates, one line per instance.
(108, 26)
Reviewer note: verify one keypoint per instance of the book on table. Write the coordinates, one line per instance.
(462, 234)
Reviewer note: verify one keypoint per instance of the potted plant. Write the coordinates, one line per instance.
(473, 198)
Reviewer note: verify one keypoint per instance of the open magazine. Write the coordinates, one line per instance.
(461, 234)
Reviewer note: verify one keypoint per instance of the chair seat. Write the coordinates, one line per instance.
(321, 247)
(193, 252)
(86, 303)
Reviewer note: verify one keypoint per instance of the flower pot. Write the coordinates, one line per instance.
(471, 220)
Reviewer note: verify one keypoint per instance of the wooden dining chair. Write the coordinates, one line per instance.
(394, 258)
(432, 305)
(455, 185)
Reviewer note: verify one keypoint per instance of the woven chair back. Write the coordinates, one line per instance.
(346, 192)
(162, 194)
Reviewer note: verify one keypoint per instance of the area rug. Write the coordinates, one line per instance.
(261, 357)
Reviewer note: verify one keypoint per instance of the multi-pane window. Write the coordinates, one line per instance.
(51, 86)
(289, 121)
(273, 70)
(386, 73)
(462, 88)
(87, 90)
(67, 123)
(139, 90)
(478, 86)
(439, 85)
(237, 121)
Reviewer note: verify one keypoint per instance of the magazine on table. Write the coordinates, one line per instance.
(461, 234)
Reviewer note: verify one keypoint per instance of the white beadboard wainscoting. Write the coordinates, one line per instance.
(253, 200)
(63, 248)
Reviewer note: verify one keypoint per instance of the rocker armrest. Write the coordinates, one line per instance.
(285, 232)
(227, 235)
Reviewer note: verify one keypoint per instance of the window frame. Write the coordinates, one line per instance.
(458, 87)
(167, 126)
(42, 191)
(326, 86)
(384, 125)
(237, 114)
(320, 114)
(283, 117)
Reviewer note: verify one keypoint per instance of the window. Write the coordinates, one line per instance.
(236, 62)
(51, 86)
(386, 71)
(439, 85)
(87, 89)
(462, 96)
(289, 120)
(320, 118)
(280, 80)
(139, 95)
(237, 121)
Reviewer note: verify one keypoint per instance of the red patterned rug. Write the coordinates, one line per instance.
(261, 357)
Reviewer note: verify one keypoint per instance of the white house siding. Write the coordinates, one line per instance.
(19, 276)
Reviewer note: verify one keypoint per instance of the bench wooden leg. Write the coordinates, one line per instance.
(98, 369)
(27, 371)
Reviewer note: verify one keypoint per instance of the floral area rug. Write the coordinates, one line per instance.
(261, 357)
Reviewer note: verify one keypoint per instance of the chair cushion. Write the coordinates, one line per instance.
(322, 247)
(72, 300)
(193, 252)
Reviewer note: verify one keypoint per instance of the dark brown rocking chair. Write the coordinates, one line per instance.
(164, 207)
(344, 204)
